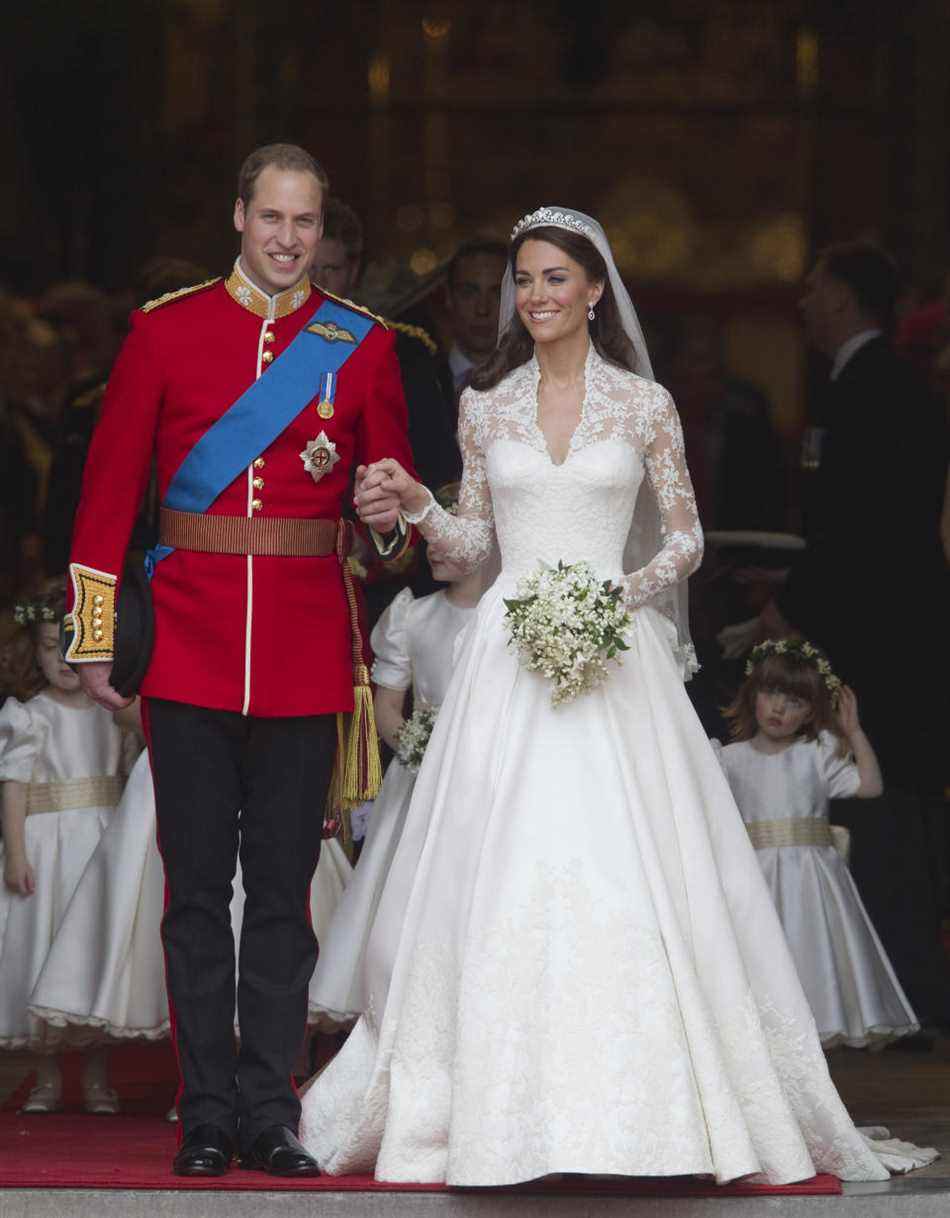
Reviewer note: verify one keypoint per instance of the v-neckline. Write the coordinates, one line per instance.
(536, 410)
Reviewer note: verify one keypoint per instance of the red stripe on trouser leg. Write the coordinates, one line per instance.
(173, 1022)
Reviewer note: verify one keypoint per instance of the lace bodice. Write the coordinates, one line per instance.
(582, 508)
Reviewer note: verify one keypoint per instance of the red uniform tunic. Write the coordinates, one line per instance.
(262, 635)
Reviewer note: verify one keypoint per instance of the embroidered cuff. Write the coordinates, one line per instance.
(90, 628)
(394, 544)
(418, 517)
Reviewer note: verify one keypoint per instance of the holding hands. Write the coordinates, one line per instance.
(383, 490)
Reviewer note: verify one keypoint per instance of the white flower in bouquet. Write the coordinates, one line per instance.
(567, 624)
(414, 736)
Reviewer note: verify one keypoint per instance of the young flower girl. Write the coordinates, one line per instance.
(798, 743)
(413, 642)
(60, 763)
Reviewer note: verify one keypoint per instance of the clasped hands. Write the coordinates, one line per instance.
(382, 491)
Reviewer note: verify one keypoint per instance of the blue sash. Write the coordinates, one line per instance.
(263, 411)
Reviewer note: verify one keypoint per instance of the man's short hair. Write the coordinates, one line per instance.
(475, 245)
(281, 156)
(871, 274)
(341, 223)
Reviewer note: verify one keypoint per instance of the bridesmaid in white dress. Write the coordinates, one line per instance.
(60, 768)
(104, 974)
(536, 1003)
(413, 644)
(791, 755)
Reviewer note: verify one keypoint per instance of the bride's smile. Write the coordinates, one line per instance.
(553, 292)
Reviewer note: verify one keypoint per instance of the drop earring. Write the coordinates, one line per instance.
(590, 313)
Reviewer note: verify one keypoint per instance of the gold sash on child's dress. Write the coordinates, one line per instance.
(796, 831)
(102, 792)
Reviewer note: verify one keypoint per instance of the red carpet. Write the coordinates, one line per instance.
(72, 1150)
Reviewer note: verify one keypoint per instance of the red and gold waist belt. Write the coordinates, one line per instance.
(277, 536)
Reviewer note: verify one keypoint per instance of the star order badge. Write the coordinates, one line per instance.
(320, 456)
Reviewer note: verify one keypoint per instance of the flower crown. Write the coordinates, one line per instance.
(550, 215)
(803, 650)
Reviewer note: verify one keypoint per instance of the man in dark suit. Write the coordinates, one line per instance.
(472, 300)
(871, 588)
(337, 266)
(873, 577)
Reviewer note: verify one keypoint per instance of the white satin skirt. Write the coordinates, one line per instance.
(576, 965)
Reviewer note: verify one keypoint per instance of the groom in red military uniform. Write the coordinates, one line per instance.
(256, 395)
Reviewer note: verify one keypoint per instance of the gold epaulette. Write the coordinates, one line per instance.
(178, 294)
(351, 304)
(423, 336)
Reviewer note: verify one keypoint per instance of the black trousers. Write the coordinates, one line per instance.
(228, 785)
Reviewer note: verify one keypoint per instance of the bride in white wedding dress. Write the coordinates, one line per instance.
(576, 965)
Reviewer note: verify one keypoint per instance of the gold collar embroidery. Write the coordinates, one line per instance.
(249, 296)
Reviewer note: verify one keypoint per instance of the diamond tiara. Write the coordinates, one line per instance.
(549, 215)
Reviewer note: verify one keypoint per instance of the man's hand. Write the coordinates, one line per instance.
(18, 875)
(377, 508)
(94, 678)
(382, 490)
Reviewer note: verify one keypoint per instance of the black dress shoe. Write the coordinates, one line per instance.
(276, 1150)
(205, 1151)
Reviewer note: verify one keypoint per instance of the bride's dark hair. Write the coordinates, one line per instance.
(516, 345)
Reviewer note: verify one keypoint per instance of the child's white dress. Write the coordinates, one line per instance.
(413, 643)
(844, 970)
(71, 758)
(105, 973)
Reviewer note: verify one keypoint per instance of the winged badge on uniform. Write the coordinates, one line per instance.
(320, 456)
(331, 332)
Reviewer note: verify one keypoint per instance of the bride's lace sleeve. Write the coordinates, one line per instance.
(659, 432)
(465, 536)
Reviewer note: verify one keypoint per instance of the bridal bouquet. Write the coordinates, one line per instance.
(414, 736)
(566, 623)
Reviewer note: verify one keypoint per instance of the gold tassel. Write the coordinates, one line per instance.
(362, 772)
(358, 764)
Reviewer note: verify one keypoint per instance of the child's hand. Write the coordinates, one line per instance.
(18, 875)
(848, 712)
